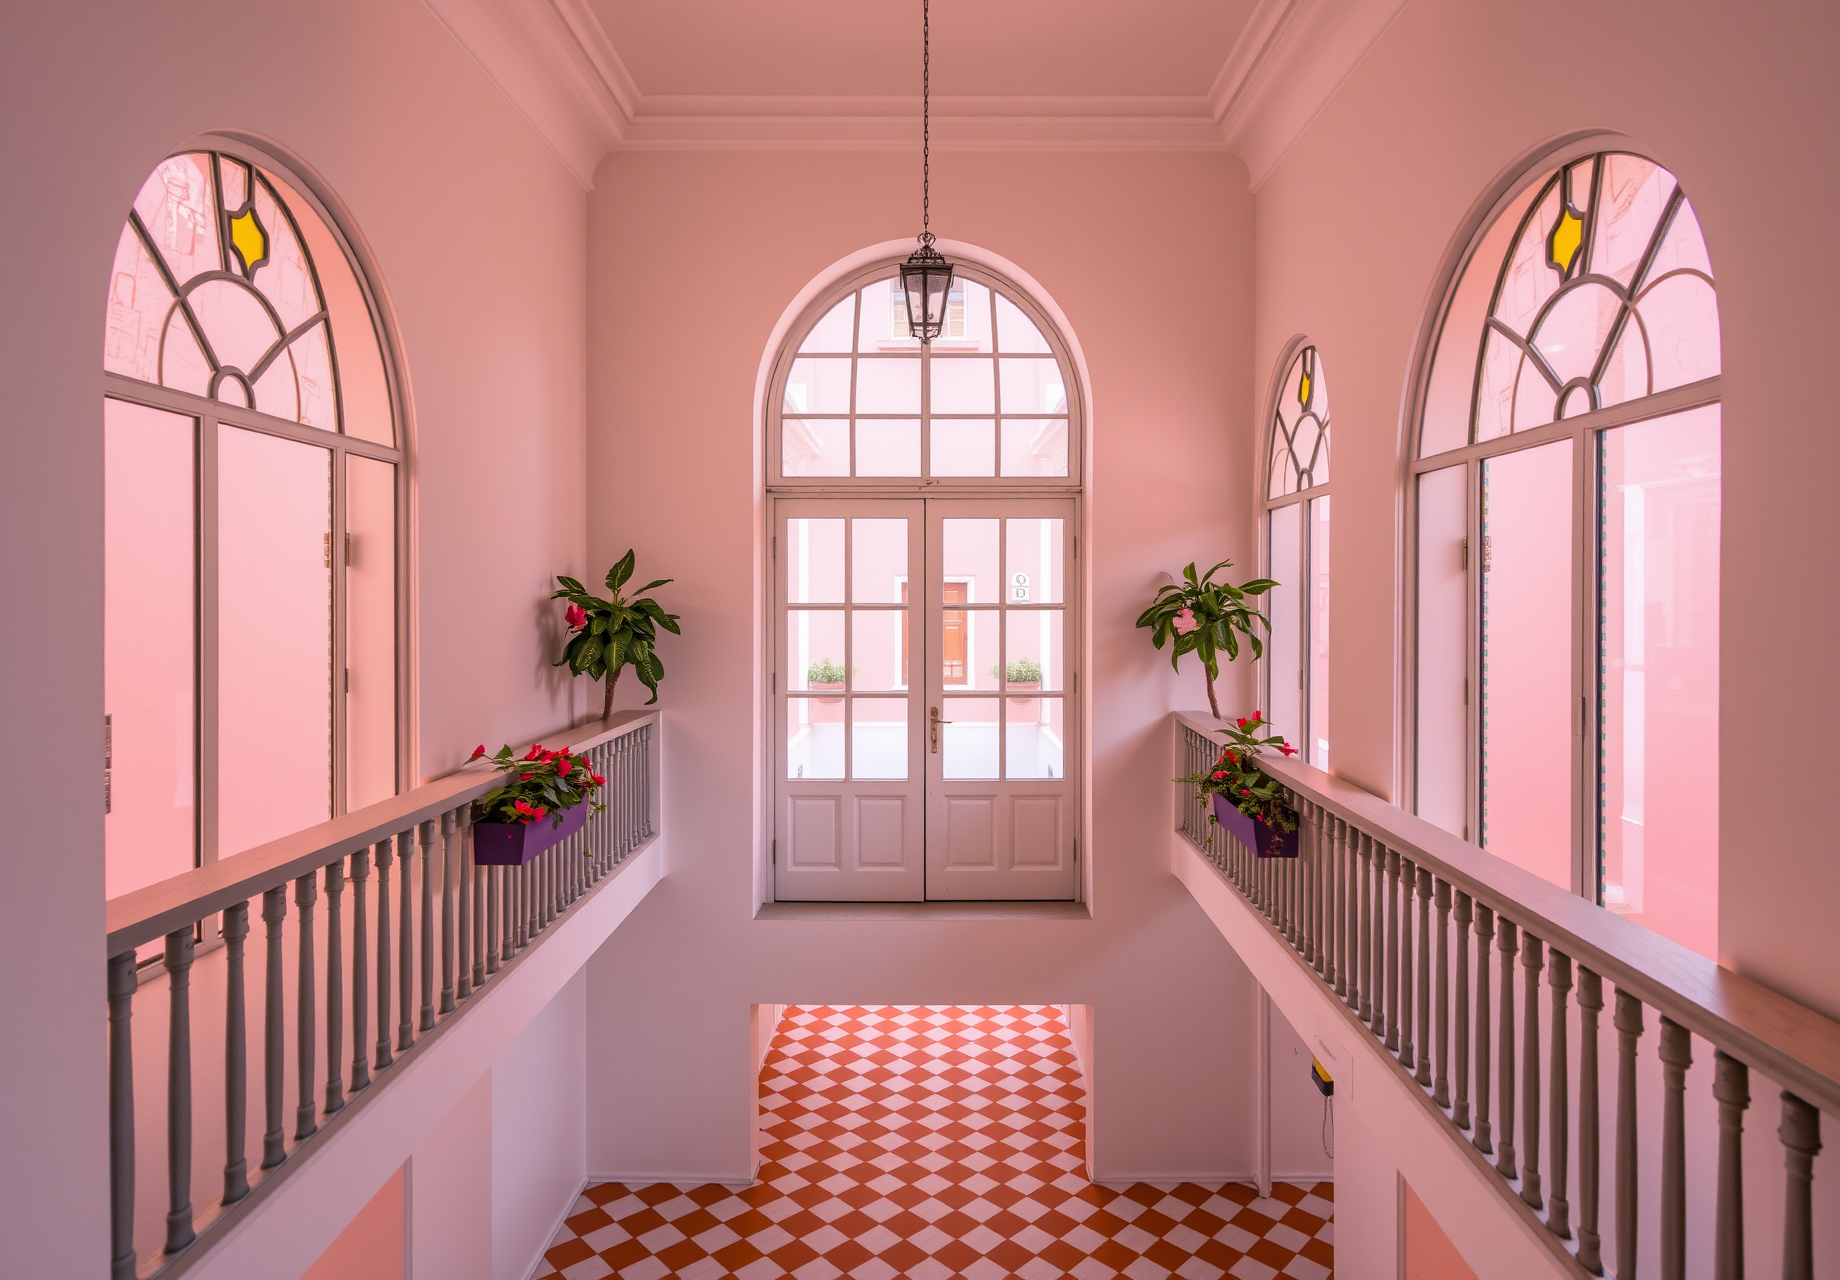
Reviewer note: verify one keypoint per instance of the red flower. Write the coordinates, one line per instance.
(577, 616)
(478, 751)
(1221, 774)
(1242, 722)
(563, 766)
(1244, 792)
(526, 777)
(1258, 715)
(531, 812)
(1287, 748)
(536, 753)
(599, 781)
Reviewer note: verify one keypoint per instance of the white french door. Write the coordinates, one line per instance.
(924, 676)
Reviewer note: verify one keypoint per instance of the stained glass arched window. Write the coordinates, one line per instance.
(1297, 557)
(1566, 498)
(252, 504)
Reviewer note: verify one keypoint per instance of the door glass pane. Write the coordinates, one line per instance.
(964, 448)
(1035, 738)
(814, 561)
(1035, 446)
(814, 639)
(879, 567)
(1034, 658)
(888, 447)
(1659, 675)
(1318, 749)
(1283, 654)
(1443, 613)
(970, 548)
(888, 385)
(1032, 386)
(880, 644)
(274, 564)
(1036, 571)
(814, 738)
(815, 447)
(963, 385)
(832, 333)
(148, 645)
(968, 745)
(882, 323)
(968, 646)
(878, 738)
(370, 631)
(818, 385)
(1528, 709)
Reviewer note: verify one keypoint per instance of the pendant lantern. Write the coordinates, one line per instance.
(926, 276)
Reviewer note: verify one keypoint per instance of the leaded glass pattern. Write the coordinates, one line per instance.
(1602, 293)
(1300, 428)
(217, 291)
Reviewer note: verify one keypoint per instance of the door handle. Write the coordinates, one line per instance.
(936, 722)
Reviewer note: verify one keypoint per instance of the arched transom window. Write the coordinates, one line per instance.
(862, 402)
(252, 506)
(1567, 494)
(1297, 557)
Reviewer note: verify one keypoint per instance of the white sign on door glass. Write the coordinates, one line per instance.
(1019, 588)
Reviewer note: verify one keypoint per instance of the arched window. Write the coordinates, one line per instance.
(1566, 492)
(924, 508)
(1296, 665)
(253, 498)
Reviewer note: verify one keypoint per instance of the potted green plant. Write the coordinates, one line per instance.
(544, 803)
(826, 675)
(610, 635)
(1202, 616)
(1248, 803)
(1020, 674)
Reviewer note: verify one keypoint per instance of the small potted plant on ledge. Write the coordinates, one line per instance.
(1020, 674)
(544, 800)
(1247, 803)
(1201, 616)
(825, 675)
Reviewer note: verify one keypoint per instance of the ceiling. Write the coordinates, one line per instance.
(596, 76)
(1044, 48)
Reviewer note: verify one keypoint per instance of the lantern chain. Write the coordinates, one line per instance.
(926, 123)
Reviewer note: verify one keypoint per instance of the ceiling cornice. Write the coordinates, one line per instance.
(554, 61)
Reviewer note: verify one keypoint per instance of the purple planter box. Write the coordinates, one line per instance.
(512, 844)
(1266, 842)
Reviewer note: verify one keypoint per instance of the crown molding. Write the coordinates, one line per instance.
(554, 61)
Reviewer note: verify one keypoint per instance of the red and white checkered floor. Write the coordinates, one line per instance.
(931, 1143)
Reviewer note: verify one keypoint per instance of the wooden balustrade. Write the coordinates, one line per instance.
(477, 919)
(1356, 907)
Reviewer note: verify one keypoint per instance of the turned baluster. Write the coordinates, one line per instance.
(1389, 939)
(425, 838)
(335, 987)
(381, 1057)
(1408, 884)
(1440, 1084)
(306, 1116)
(1532, 961)
(1485, 935)
(450, 869)
(236, 1056)
(405, 941)
(179, 1232)
(1507, 938)
(360, 970)
(1628, 1022)
(1801, 1138)
(1676, 1053)
(274, 1030)
(1590, 1004)
(1558, 1131)
(123, 981)
(1731, 1088)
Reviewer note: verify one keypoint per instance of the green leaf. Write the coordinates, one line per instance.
(617, 576)
(658, 582)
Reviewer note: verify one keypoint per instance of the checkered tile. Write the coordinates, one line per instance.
(932, 1143)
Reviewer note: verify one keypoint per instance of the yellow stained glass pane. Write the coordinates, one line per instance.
(1567, 235)
(249, 240)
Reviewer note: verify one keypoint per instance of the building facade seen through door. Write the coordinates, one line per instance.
(925, 603)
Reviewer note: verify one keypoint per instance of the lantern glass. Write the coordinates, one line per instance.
(927, 283)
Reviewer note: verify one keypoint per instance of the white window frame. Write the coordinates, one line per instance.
(207, 415)
(1584, 431)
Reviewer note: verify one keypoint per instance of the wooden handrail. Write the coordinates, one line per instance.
(158, 909)
(1791, 1043)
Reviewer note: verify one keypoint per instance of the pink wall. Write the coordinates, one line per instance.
(478, 232)
(1352, 229)
(371, 1247)
(674, 447)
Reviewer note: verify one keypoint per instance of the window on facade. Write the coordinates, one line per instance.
(1297, 557)
(252, 497)
(1567, 497)
(864, 401)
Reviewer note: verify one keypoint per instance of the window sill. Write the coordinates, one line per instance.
(931, 911)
